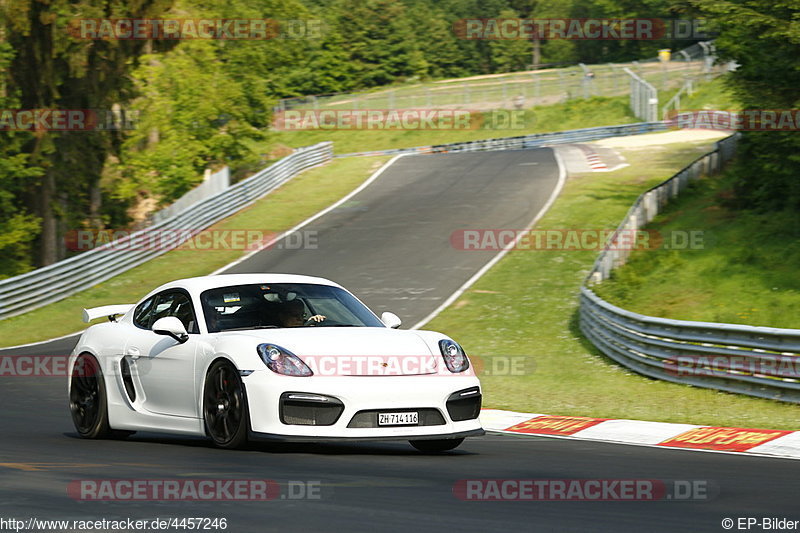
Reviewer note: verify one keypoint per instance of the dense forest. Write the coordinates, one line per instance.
(200, 103)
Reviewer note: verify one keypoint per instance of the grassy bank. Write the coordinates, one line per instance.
(526, 306)
(742, 269)
(574, 114)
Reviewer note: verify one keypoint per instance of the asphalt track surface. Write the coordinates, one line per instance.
(392, 244)
(409, 214)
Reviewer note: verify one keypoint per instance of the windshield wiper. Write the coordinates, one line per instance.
(244, 328)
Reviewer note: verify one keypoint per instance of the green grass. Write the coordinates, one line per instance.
(598, 111)
(524, 306)
(527, 306)
(711, 95)
(742, 271)
(574, 114)
(578, 113)
(280, 210)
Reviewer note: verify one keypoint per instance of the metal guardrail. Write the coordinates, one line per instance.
(651, 202)
(757, 361)
(522, 142)
(57, 281)
(213, 183)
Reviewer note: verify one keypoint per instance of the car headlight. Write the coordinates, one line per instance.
(282, 361)
(454, 356)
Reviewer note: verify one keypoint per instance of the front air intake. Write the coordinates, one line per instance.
(464, 404)
(307, 409)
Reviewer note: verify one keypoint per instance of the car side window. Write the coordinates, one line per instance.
(143, 313)
(179, 305)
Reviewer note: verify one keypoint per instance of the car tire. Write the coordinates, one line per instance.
(435, 446)
(225, 410)
(87, 399)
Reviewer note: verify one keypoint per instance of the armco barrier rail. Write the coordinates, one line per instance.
(533, 140)
(213, 184)
(52, 283)
(651, 202)
(59, 280)
(757, 361)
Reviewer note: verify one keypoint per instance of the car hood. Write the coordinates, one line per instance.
(352, 351)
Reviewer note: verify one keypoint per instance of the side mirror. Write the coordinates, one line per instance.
(391, 320)
(172, 327)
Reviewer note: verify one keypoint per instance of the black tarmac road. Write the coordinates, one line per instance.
(391, 245)
(397, 245)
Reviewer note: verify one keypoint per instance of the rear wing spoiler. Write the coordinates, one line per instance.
(110, 311)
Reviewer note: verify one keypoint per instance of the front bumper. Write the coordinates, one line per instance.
(296, 438)
(361, 397)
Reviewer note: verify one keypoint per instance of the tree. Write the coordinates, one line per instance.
(18, 228)
(379, 40)
(54, 70)
(437, 41)
(762, 36)
(192, 115)
(509, 55)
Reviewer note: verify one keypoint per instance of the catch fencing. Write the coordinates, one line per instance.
(518, 90)
(522, 90)
(643, 97)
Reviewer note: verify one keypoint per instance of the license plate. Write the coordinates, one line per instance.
(398, 419)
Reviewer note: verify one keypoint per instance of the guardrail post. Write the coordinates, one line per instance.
(644, 97)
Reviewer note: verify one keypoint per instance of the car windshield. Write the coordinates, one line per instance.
(283, 305)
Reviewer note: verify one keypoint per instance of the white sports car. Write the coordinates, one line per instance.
(275, 356)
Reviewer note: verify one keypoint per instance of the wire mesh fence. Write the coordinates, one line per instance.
(518, 90)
